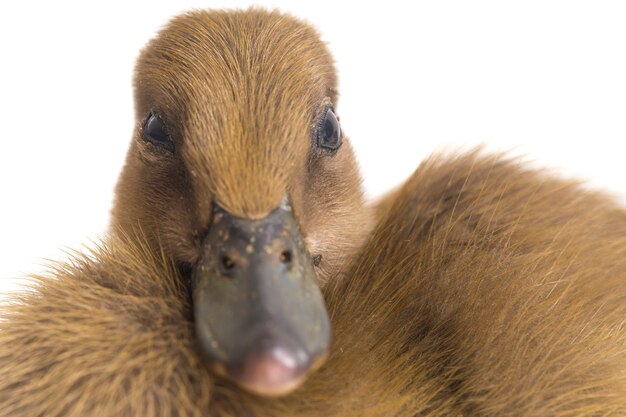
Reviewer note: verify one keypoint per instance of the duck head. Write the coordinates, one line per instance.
(239, 172)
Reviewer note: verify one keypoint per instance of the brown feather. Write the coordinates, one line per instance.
(483, 288)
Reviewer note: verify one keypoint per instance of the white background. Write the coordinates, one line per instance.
(546, 79)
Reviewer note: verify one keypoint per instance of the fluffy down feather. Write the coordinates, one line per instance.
(478, 288)
(485, 289)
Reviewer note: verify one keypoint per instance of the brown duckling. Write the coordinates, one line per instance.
(478, 288)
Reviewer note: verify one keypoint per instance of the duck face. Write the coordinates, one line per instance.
(239, 171)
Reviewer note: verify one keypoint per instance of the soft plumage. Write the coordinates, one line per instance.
(483, 288)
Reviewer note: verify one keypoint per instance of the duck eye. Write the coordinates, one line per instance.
(328, 131)
(155, 132)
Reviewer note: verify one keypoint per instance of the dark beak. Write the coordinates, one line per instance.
(259, 315)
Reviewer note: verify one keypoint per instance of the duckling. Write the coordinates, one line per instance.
(240, 236)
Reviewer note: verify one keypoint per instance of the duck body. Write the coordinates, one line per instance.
(484, 289)
(477, 288)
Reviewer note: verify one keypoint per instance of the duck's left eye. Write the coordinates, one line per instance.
(328, 131)
(155, 132)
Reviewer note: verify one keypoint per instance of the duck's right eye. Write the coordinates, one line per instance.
(155, 132)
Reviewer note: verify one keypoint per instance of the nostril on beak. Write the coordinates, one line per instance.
(285, 257)
(227, 263)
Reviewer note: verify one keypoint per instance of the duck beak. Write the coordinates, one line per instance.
(260, 317)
